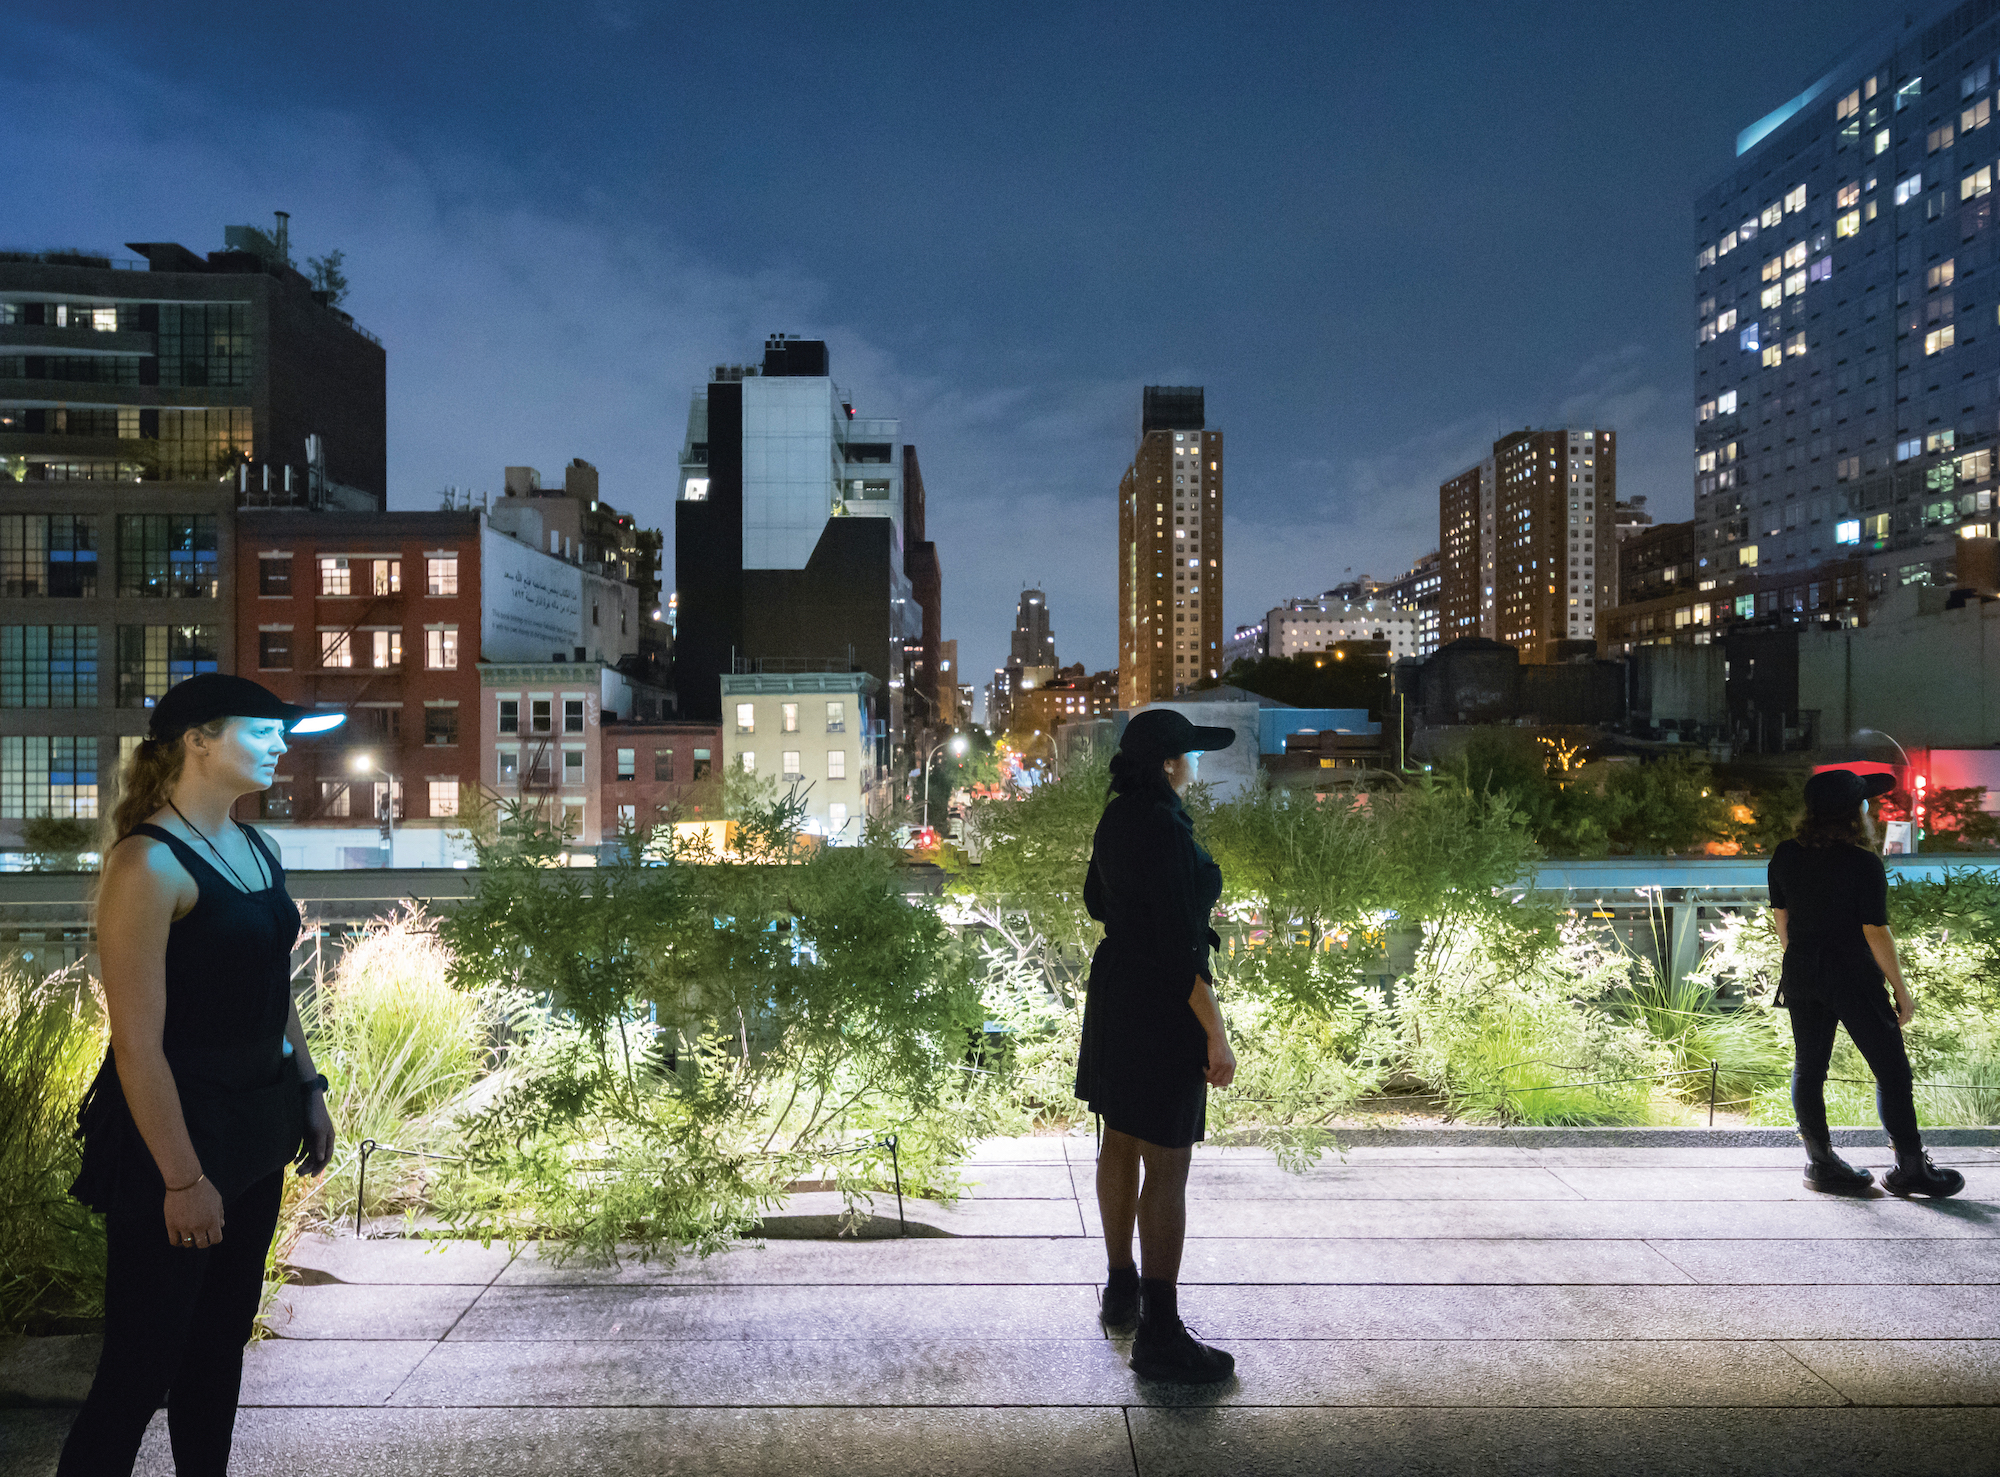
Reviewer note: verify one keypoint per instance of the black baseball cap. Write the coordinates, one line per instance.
(211, 695)
(1832, 791)
(1161, 733)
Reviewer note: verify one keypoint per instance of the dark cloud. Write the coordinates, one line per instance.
(1378, 237)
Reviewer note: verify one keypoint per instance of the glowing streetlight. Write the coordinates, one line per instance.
(364, 763)
(958, 745)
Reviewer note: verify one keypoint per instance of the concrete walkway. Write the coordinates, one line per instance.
(1410, 1310)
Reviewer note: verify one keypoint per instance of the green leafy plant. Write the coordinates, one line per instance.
(51, 1248)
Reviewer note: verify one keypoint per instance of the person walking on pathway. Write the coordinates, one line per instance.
(1830, 901)
(208, 1090)
(1153, 1038)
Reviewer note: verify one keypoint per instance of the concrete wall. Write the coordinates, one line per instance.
(1231, 772)
(1678, 684)
(1926, 674)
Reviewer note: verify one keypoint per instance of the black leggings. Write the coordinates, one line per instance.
(1871, 1024)
(175, 1323)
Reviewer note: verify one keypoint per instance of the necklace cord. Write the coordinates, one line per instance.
(248, 890)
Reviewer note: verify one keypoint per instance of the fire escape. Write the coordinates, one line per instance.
(380, 603)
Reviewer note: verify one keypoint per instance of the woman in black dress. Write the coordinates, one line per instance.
(1830, 901)
(1153, 1037)
(208, 1091)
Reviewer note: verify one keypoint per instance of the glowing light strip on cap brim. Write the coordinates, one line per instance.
(317, 723)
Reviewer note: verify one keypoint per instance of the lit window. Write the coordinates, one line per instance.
(1746, 556)
(1704, 258)
(1725, 403)
(749, 761)
(1726, 322)
(388, 648)
(836, 764)
(1773, 269)
(441, 648)
(788, 717)
(746, 717)
(1938, 340)
(335, 649)
(441, 575)
(1795, 199)
(1747, 339)
(1941, 275)
(444, 797)
(1772, 215)
(1849, 196)
(1848, 225)
(1977, 116)
(1795, 255)
(1705, 411)
(1795, 345)
(1848, 106)
(788, 764)
(334, 577)
(388, 576)
(1908, 189)
(836, 718)
(1773, 356)
(1821, 270)
(1909, 448)
(1979, 182)
(1795, 283)
(1882, 142)
(628, 763)
(1938, 138)
(1847, 531)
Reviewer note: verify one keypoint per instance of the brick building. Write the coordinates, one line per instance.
(653, 771)
(424, 626)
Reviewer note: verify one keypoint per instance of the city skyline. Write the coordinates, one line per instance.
(550, 285)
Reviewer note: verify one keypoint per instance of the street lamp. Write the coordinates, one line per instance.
(1916, 785)
(958, 746)
(364, 763)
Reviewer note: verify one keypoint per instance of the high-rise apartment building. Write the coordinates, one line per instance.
(1170, 550)
(1528, 541)
(1465, 555)
(142, 403)
(1845, 365)
(1421, 590)
(793, 539)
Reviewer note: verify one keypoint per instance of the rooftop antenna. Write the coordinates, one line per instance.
(284, 236)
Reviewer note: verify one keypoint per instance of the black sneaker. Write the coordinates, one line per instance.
(1916, 1175)
(1178, 1358)
(1119, 1305)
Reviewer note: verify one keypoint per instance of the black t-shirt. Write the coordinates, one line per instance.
(1828, 893)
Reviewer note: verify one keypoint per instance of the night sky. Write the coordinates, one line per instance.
(1378, 235)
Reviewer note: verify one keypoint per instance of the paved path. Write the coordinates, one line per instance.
(1409, 1310)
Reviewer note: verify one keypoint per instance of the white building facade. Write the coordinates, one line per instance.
(823, 733)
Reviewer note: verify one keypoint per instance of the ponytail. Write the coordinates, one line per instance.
(148, 779)
(1130, 774)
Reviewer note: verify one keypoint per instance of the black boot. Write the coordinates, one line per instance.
(1164, 1349)
(1827, 1171)
(1914, 1174)
(1119, 1306)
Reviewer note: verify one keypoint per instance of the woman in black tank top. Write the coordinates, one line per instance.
(208, 1091)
